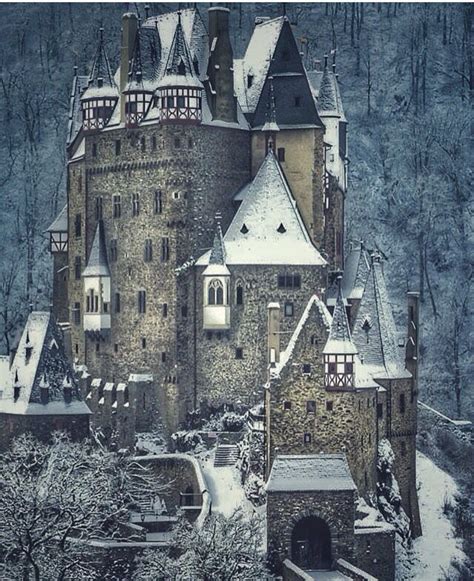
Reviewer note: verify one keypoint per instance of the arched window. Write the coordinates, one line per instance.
(215, 292)
(239, 294)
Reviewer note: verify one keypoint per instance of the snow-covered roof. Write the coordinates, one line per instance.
(310, 473)
(98, 265)
(356, 272)
(60, 222)
(267, 228)
(256, 63)
(340, 340)
(374, 331)
(40, 360)
(326, 92)
(101, 81)
(315, 305)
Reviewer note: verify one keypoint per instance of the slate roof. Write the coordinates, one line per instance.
(98, 265)
(75, 113)
(40, 359)
(101, 79)
(144, 66)
(340, 340)
(310, 473)
(271, 122)
(267, 228)
(331, 94)
(356, 272)
(375, 319)
(327, 101)
(60, 223)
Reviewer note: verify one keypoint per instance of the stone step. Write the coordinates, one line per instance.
(226, 455)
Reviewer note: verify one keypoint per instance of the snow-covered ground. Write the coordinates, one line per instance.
(432, 553)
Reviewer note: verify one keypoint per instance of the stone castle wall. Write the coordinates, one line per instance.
(374, 552)
(221, 377)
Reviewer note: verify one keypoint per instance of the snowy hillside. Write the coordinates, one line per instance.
(406, 81)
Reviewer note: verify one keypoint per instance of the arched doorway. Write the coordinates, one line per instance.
(311, 544)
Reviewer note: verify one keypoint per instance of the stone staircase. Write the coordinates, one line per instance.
(226, 455)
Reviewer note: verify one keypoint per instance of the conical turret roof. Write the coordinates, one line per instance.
(98, 264)
(179, 70)
(101, 79)
(327, 98)
(217, 258)
(144, 64)
(340, 340)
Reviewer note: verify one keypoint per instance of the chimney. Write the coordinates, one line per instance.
(129, 32)
(220, 69)
(412, 347)
(273, 338)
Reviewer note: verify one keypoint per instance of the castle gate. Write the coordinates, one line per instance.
(311, 544)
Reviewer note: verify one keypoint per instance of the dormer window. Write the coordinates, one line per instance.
(244, 229)
(249, 81)
(281, 229)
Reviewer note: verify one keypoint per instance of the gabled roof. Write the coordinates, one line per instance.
(40, 360)
(340, 340)
(267, 228)
(98, 265)
(310, 473)
(374, 330)
(60, 222)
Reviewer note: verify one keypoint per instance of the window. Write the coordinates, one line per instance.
(143, 144)
(163, 356)
(153, 143)
(164, 310)
(98, 208)
(190, 143)
(148, 252)
(143, 342)
(97, 347)
(177, 142)
(141, 301)
(249, 81)
(289, 281)
(76, 348)
(314, 340)
(215, 292)
(307, 438)
(297, 101)
(281, 229)
(287, 405)
(115, 347)
(135, 204)
(281, 154)
(184, 311)
(349, 367)
(244, 229)
(306, 368)
(117, 303)
(77, 268)
(94, 150)
(311, 407)
(404, 448)
(402, 403)
(380, 411)
(289, 309)
(239, 295)
(165, 249)
(77, 313)
(118, 146)
(77, 226)
(239, 353)
(113, 250)
(329, 406)
(79, 183)
(117, 206)
(158, 202)
(181, 102)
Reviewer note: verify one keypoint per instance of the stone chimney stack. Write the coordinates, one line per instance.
(273, 338)
(412, 347)
(220, 87)
(129, 32)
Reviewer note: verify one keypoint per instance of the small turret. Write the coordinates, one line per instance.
(100, 98)
(96, 277)
(216, 286)
(67, 388)
(180, 90)
(339, 351)
(44, 389)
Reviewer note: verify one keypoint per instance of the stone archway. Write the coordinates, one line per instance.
(311, 543)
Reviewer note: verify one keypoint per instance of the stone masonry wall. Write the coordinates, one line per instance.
(374, 552)
(221, 377)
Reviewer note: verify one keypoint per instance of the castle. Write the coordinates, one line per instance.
(200, 248)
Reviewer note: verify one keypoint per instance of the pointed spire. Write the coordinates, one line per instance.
(179, 59)
(340, 340)
(270, 118)
(98, 264)
(101, 73)
(327, 95)
(218, 247)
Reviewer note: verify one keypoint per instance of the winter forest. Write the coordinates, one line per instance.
(405, 72)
